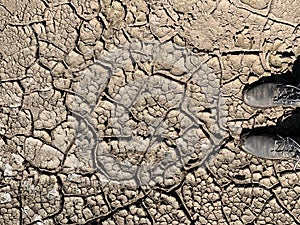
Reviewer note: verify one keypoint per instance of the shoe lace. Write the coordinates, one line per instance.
(287, 94)
(287, 146)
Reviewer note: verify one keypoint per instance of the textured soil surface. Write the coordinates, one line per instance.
(131, 112)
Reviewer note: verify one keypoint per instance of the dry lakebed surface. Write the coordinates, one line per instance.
(131, 112)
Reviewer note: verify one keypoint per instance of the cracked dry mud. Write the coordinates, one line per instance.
(130, 112)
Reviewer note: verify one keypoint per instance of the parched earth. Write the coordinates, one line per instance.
(130, 112)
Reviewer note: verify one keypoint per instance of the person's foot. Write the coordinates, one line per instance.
(271, 146)
(272, 94)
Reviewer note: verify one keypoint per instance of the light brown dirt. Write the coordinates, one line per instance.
(130, 112)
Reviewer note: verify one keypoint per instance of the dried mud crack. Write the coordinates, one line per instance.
(131, 112)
